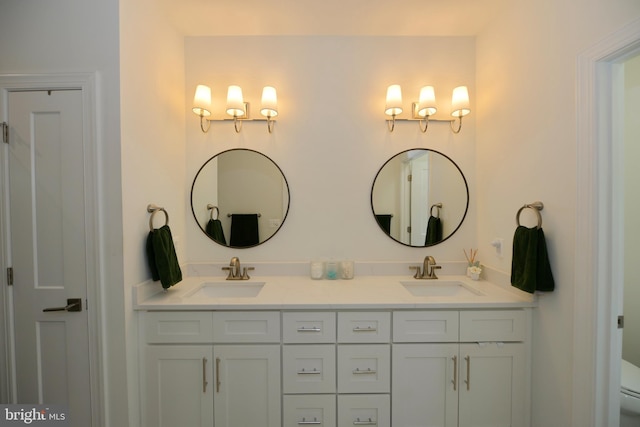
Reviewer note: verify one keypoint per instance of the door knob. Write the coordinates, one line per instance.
(73, 304)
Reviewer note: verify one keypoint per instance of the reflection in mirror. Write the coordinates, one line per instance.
(240, 198)
(420, 197)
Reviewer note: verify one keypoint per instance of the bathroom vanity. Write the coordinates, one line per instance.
(373, 351)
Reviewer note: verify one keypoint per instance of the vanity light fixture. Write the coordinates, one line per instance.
(422, 110)
(236, 107)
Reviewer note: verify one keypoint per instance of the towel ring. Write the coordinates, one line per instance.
(212, 208)
(437, 206)
(537, 207)
(153, 209)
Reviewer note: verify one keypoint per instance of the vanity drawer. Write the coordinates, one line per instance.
(309, 368)
(364, 410)
(364, 368)
(167, 327)
(246, 327)
(425, 326)
(492, 325)
(364, 327)
(309, 327)
(309, 410)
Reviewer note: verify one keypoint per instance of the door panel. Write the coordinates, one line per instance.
(48, 249)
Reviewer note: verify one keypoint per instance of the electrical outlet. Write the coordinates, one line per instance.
(498, 243)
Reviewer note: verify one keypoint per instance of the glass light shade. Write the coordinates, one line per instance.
(269, 102)
(393, 106)
(202, 101)
(235, 103)
(427, 103)
(460, 102)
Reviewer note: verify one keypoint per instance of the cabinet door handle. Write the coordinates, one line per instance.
(357, 371)
(314, 372)
(217, 375)
(455, 372)
(311, 329)
(366, 329)
(204, 375)
(468, 380)
(368, 422)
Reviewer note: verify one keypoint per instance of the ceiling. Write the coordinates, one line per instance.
(331, 17)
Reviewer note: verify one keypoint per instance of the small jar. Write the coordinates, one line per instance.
(346, 269)
(317, 270)
(331, 270)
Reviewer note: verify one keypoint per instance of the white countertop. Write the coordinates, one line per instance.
(299, 292)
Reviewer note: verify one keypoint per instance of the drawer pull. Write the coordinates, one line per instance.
(314, 372)
(368, 422)
(357, 371)
(304, 422)
(311, 329)
(366, 329)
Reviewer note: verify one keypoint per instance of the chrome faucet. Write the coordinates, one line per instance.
(428, 269)
(234, 270)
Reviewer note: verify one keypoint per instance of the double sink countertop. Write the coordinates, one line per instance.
(272, 292)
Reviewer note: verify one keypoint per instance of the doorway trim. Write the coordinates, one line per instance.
(596, 369)
(88, 84)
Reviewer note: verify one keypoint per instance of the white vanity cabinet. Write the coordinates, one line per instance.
(336, 368)
(460, 368)
(210, 369)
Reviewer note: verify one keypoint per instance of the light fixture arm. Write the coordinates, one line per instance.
(391, 124)
(454, 130)
(270, 123)
(204, 128)
(426, 124)
(237, 124)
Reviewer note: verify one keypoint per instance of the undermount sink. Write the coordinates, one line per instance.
(440, 288)
(230, 289)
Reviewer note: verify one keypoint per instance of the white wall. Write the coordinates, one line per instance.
(82, 36)
(526, 76)
(331, 137)
(631, 333)
(153, 151)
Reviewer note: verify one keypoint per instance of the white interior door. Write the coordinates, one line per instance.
(48, 250)
(419, 199)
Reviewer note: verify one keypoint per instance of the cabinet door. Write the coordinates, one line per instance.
(177, 386)
(492, 385)
(424, 385)
(247, 385)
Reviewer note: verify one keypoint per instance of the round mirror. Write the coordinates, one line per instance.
(240, 198)
(420, 197)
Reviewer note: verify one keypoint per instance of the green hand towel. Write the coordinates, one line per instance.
(161, 255)
(214, 230)
(530, 268)
(434, 231)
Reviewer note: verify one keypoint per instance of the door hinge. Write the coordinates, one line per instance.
(409, 177)
(9, 276)
(409, 229)
(5, 132)
(620, 322)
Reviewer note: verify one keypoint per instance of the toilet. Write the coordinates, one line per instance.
(629, 395)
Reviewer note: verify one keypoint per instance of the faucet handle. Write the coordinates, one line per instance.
(230, 275)
(245, 275)
(417, 269)
(433, 272)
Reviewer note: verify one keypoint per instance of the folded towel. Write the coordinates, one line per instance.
(384, 220)
(434, 231)
(530, 268)
(214, 230)
(244, 230)
(161, 255)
